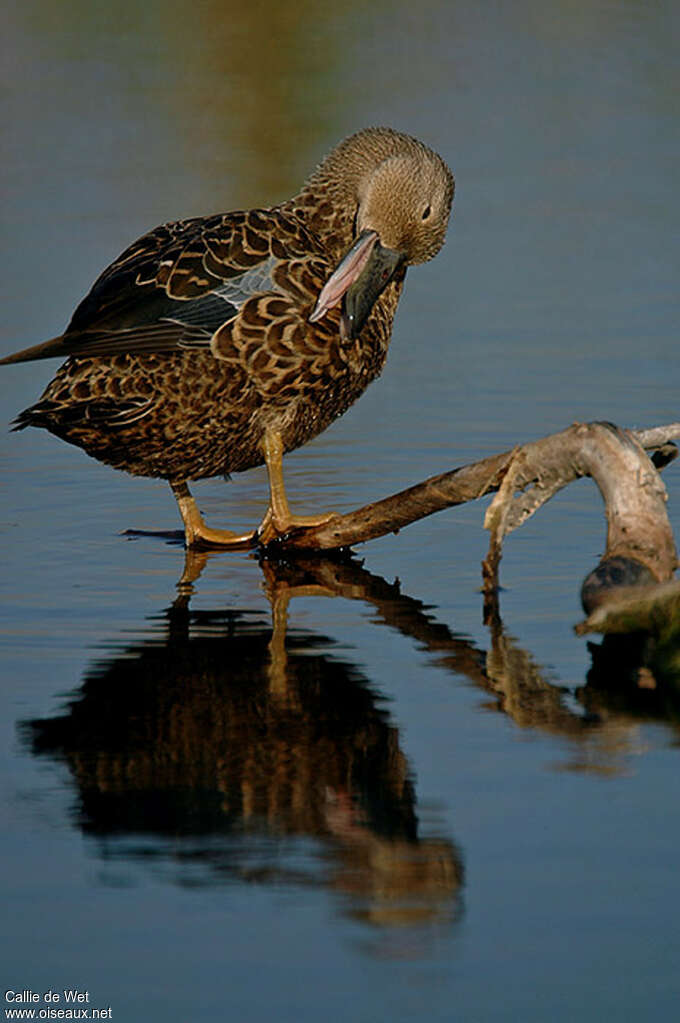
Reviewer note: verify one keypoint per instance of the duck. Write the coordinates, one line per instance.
(216, 344)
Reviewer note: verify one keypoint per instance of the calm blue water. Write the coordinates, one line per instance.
(381, 808)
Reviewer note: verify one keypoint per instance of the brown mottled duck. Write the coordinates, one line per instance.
(216, 344)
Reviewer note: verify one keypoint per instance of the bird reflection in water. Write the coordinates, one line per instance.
(223, 745)
(218, 741)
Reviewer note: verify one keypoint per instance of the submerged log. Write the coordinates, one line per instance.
(653, 608)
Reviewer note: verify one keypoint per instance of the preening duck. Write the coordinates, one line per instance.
(216, 344)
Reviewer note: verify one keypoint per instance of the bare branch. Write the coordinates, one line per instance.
(632, 490)
(657, 436)
(539, 469)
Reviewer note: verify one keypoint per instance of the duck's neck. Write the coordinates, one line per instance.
(328, 205)
(329, 199)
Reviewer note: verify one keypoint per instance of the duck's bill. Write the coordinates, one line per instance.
(359, 278)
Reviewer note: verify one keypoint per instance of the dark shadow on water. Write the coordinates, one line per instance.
(223, 748)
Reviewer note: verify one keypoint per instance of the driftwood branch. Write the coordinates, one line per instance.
(640, 549)
(640, 546)
(537, 470)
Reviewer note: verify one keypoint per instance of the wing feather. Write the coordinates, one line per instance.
(175, 287)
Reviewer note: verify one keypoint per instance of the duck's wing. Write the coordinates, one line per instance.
(176, 286)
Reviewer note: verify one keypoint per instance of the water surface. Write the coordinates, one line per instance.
(330, 790)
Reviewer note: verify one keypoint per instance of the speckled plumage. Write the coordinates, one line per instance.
(197, 342)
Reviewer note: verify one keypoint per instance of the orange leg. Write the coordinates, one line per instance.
(279, 519)
(195, 530)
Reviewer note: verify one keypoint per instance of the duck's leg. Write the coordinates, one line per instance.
(195, 530)
(279, 519)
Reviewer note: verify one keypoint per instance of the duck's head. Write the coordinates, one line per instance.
(403, 198)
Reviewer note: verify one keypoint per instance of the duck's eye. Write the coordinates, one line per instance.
(426, 212)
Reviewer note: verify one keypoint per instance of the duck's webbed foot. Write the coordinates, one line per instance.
(197, 534)
(274, 527)
(279, 520)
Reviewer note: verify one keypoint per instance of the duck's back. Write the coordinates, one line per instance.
(197, 339)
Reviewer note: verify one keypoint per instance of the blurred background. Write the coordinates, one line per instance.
(331, 789)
